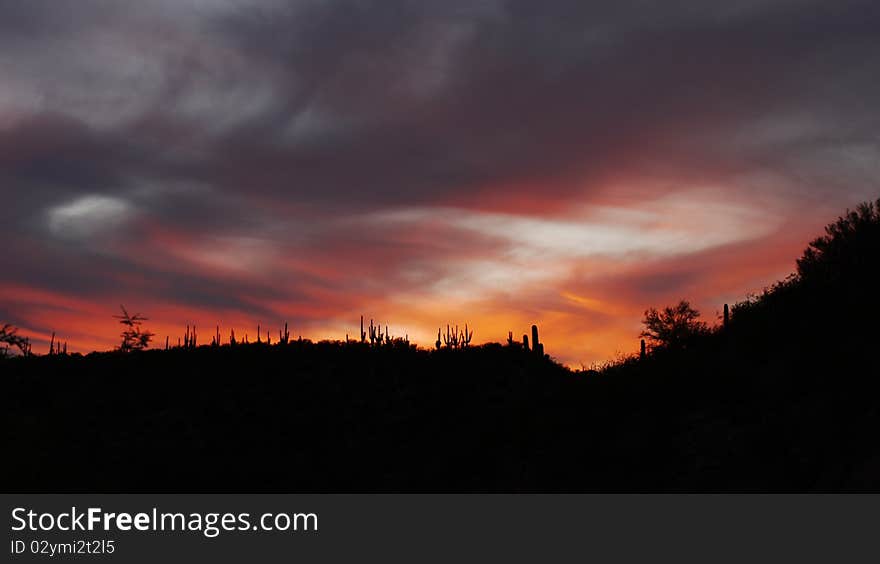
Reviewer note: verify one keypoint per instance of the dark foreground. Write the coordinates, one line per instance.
(786, 398)
(330, 418)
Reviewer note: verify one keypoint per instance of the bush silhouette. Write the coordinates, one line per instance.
(850, 247)
(9, 337)
(673, 326)
(133, 337)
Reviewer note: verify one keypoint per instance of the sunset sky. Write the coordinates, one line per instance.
(500, 163)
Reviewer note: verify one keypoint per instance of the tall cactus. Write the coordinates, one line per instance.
(377, 337)
(642, 350)
(189, 338)
(466, 337)
(537, 346)
(452, 339)
(363, 334)
(726, 316)
(526, 342)
(438, 343)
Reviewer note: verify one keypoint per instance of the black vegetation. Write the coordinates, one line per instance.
(9, 338)
(134, 338)
(673, 327)
(782, 396)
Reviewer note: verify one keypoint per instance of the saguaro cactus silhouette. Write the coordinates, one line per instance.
(189, 338)
(726, 316)
(537, 346)
(377, 337)
(466, 337)
(451, 337)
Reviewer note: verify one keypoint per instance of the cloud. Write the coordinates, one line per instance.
(87, 216)
(521, 161)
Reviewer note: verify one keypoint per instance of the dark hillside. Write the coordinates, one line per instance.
(785, 398)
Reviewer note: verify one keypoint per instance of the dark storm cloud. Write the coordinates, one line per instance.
(50, 158)
(563, 90)
(388, 103)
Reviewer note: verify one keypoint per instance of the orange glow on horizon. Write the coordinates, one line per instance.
(584, 280)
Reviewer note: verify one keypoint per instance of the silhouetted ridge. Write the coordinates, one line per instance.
(784, 395)
(830, 306)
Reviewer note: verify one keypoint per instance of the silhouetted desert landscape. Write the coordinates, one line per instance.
(780, 396)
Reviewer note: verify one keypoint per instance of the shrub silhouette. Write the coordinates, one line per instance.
(133, 337)
(673, 326)
(9, 337)
(849, 247)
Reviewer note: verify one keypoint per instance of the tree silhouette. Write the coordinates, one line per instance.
(9, 337)
(672, 326)
(133, 337)
(849, 247)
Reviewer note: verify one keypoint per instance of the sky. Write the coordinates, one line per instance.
(497, 163)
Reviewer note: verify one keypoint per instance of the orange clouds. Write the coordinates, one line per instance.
(584, 277)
